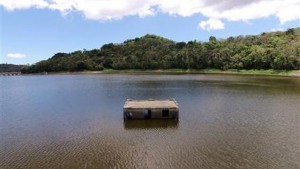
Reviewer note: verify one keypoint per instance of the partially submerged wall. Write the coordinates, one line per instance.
(151, 113)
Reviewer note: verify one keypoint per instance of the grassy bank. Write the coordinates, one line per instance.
(192, 71)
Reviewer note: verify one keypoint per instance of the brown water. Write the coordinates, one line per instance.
(76, 121)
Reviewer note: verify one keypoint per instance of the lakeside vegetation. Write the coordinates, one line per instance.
(11, 67)
(201, 71)
(275, 51)
(269, 72)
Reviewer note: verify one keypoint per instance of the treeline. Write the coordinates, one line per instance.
(275, 50)
(11, 67)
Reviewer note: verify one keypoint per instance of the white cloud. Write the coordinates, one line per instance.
(23, 4)
(284, 10)
(114, 9)
(289, 12)
(16, 55)
(180, 7)
(216, 11)
(211, 24)
(104, 9)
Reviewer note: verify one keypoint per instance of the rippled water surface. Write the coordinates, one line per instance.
(75, 121)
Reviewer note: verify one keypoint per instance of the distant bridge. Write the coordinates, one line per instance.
(10, 73)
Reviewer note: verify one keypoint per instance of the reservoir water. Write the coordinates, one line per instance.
(76, 121)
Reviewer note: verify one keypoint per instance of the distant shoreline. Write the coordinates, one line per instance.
(270, 72)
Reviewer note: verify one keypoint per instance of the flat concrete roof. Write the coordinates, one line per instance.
(135, 104)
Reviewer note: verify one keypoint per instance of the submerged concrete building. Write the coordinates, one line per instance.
(151, 109)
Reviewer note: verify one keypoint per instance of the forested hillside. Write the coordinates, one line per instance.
(11, 67)
(276, 50)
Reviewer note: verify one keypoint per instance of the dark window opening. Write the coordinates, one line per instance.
(147, 114)
(165, 113)
(129, 115)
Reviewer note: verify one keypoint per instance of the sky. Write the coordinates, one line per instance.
(34, 30)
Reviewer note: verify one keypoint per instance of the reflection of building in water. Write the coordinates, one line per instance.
(151, 109)
(150, 124)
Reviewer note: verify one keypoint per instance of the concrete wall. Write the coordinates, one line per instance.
(155, 113)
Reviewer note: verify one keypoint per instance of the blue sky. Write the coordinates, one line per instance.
(34, 30)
